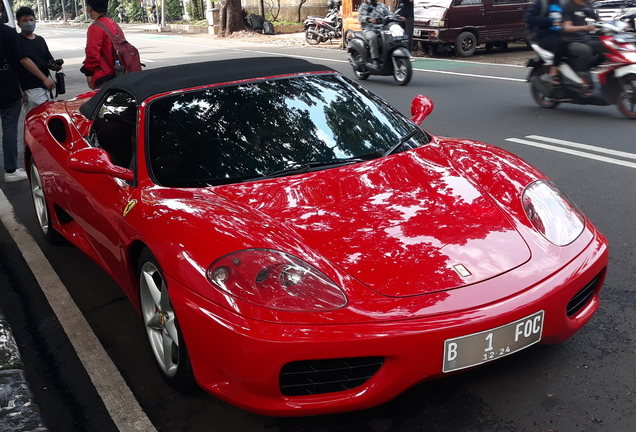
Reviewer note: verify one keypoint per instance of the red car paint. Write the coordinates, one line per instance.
(387, 231)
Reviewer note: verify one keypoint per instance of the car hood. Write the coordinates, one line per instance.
(404, 225)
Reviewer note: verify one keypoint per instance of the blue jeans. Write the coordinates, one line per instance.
(10, 116)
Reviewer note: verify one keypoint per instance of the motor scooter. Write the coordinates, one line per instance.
(614, 79)
(395, 55)
(321, 29)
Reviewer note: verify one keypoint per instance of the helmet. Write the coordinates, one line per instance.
(330, 4)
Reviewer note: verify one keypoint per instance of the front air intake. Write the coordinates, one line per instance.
(582, 297)
(311, 377)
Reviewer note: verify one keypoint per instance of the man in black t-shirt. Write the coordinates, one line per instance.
(35, 93)
(12, 53)
(582, 47)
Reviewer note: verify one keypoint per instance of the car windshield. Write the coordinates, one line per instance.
(275, 127)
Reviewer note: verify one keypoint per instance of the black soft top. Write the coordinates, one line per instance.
(145, 84)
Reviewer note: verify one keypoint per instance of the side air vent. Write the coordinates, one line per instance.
(582, 297)
(312, 377)
(57, 127)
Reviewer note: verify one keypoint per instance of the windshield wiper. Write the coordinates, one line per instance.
(402, 140)
(309, 166)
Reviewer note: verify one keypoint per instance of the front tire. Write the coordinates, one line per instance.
(541, 99)
(402, 70)
(357, 59)
(311, 37)
(627, 96)
(466, 44)
(40, 205)
(162, 327)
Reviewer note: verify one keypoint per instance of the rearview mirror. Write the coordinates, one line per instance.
(421, 107)
(95, 160)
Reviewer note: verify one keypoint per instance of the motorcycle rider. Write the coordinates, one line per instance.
(582, 47)
(371, 14)
(545, 20)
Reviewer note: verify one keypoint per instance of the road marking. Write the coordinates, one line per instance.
(111, 387)
(578, 152)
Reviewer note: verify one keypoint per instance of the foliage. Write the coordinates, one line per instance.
(134, 10)
(195, 10)
(282, 22)
(174, 10)
(195, 23)
(112, 8)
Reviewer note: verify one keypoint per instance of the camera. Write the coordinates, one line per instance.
(58, 62)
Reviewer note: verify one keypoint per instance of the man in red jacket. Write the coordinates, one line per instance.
(99, 64)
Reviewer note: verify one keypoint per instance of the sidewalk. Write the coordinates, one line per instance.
(18, 411)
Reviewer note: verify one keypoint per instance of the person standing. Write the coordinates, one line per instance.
(35, 92)
(99, 64)
(407, 11)
(11, 53)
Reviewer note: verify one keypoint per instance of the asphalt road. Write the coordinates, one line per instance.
(584, 384)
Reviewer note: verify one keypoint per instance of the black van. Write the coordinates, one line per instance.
(465, 24)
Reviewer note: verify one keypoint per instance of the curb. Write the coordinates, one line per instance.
(18, 411)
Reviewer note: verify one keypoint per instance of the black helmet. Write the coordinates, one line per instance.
(330, 4)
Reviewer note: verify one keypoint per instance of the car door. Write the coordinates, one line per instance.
(466, 14)
(99, 201)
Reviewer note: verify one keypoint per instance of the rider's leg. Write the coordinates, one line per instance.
(372, 38)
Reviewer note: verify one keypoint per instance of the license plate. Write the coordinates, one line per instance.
(477, 348)
(417, 33)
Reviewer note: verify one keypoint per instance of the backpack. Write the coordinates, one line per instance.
(125, 52)
(531, 32)
(268, 28)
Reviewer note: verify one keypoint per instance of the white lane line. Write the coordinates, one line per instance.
(584, 146)
(111, 387)
(574, 152)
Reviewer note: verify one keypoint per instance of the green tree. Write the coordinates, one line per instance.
(174, 10)
(194, 10)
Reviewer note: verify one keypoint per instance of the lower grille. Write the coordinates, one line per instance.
(582, 297)
(312, 377)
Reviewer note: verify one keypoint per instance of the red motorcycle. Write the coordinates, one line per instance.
(614, 79)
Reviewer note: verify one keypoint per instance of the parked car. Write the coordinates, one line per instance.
(465, 24)
(297, 246)
(6, 14)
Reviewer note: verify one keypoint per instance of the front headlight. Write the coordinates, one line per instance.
(396, 30)
(552, 213)
(436, 23)
(275, 280)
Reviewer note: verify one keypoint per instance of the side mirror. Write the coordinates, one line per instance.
(421, 107)
(95, 160)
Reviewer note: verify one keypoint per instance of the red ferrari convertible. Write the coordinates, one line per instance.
(295, 245)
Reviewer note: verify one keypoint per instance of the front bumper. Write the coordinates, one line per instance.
(240, 359)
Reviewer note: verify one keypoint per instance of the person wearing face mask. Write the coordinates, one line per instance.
(12, 55)
(35, 93)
